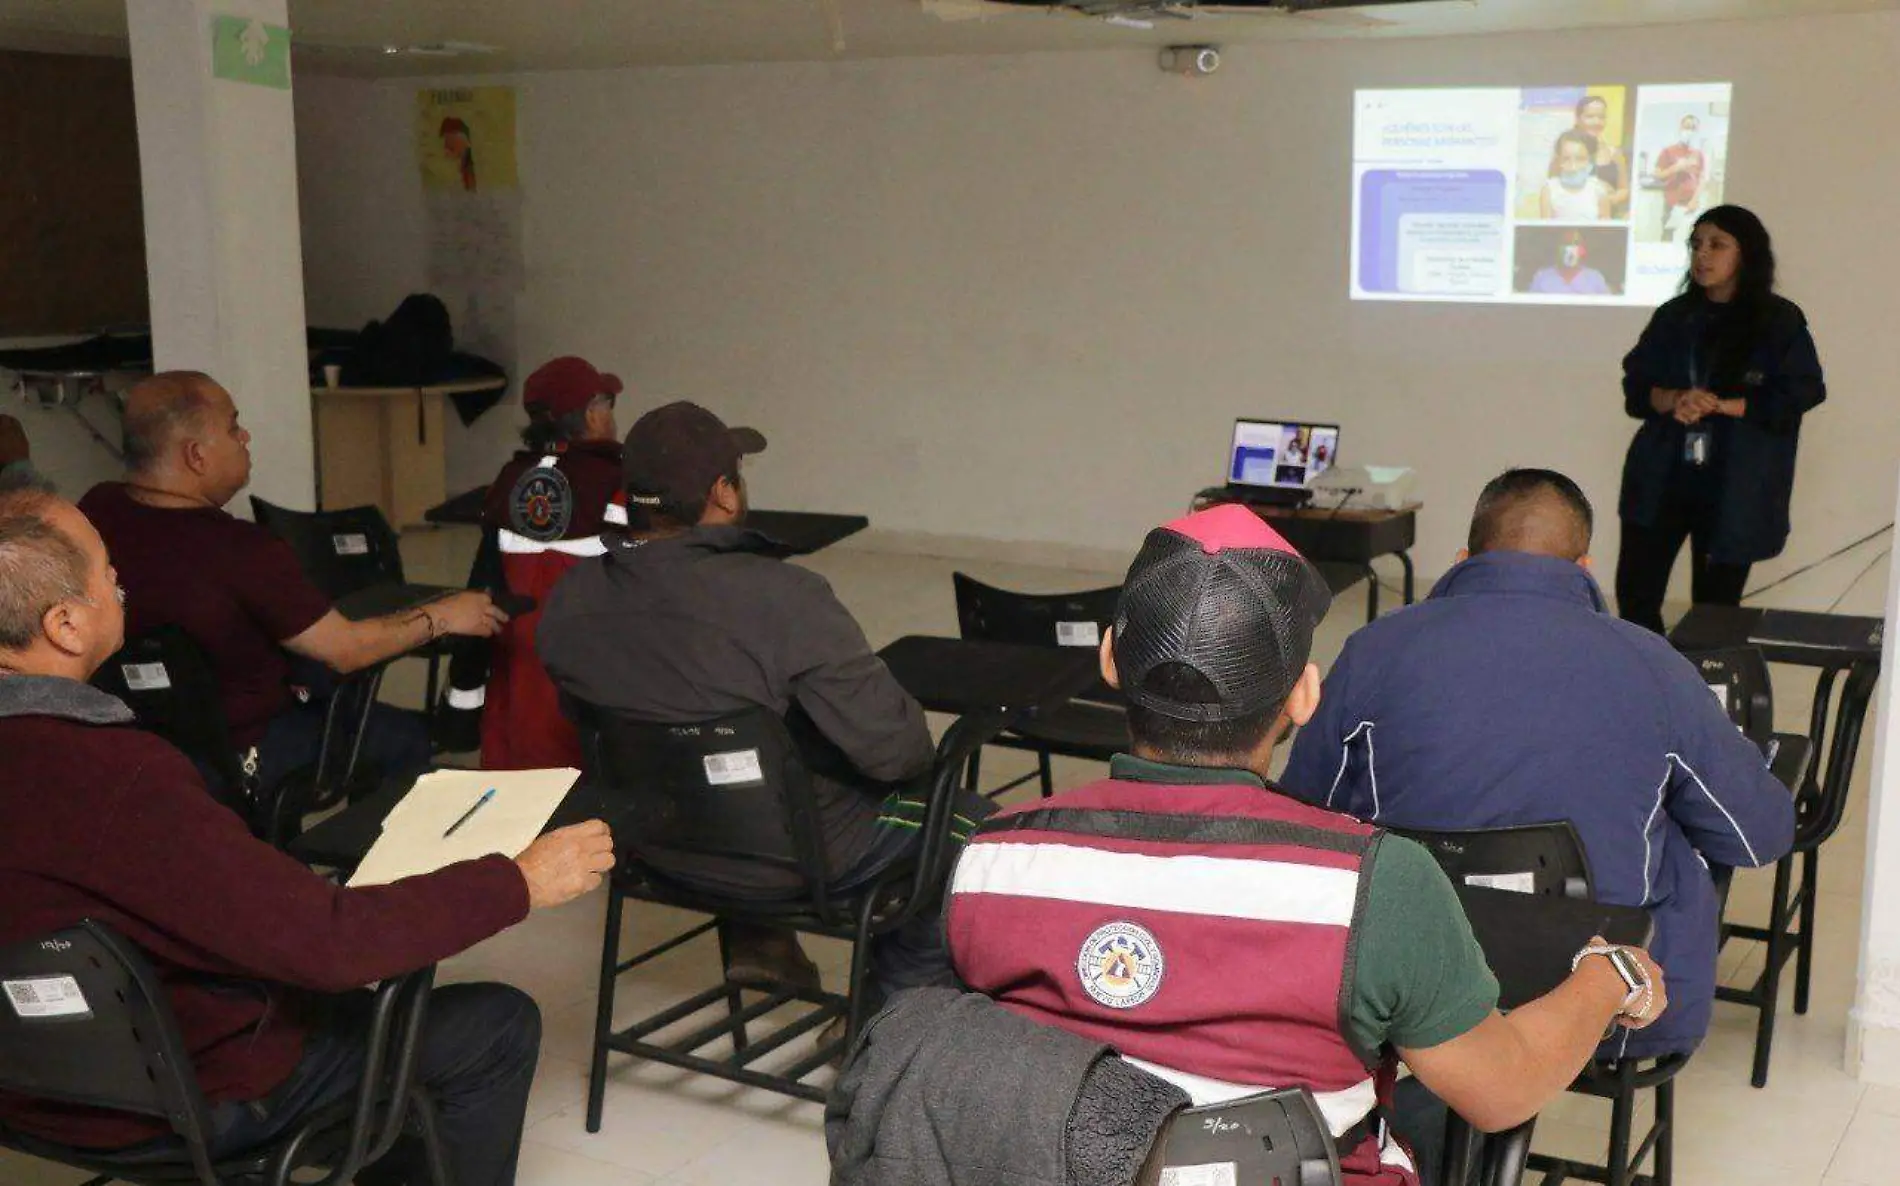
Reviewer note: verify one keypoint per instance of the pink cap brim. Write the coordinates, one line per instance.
(1229, 525)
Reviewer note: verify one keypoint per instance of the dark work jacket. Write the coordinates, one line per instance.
(706, 624)
(1778, 373)
(1511, 696)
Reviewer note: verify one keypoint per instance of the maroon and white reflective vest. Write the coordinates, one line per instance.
(1206, 932)
(542, 532)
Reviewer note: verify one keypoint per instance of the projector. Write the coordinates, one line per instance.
(1363, 487)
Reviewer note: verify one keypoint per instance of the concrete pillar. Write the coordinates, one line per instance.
(223, 254)
(1873, 1030)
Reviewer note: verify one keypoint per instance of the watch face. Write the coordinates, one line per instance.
(1627, 967)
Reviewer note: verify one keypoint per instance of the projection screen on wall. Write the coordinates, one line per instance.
(1560, 195)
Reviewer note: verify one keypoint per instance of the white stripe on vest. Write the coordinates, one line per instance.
(466, 698)
(1263, 891)
(520, 545)
(1342, 1109)
(614, 514)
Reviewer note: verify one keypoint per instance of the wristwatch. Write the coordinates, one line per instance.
(1630, 969)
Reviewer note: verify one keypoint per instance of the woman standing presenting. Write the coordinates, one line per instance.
(1720, 379)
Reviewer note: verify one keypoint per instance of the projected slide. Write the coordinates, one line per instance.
(1535, 195)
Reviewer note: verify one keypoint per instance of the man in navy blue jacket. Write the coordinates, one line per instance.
(1512, 696)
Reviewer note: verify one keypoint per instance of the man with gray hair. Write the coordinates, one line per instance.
(238, 591)
(259, 956)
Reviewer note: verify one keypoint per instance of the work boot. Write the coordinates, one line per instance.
(760, 956)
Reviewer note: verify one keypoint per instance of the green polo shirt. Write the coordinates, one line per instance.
(1418, 977)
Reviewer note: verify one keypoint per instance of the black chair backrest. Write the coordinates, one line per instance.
(989, 614)
(1738, 676)
(88, 1023)
(1276, 1136)
(733, 788)
(340, 551)
(1529, 858)
(168, 683)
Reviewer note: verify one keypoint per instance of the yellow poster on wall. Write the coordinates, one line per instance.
(465, 138)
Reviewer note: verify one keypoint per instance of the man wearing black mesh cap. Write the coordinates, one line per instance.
(1229, 938)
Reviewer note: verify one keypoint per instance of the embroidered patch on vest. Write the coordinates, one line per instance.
(1120, 965)
(541, 505)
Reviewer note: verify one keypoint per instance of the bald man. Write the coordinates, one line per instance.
(258, 956)
(1512, 696)
(238, 591)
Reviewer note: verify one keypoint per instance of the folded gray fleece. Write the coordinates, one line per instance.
(951, 1089)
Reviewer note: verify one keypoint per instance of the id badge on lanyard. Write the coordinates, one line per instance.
(1698, 443)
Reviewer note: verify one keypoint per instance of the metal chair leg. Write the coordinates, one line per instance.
(1771, 972)
(422, 1111)
(860, 974)
(604, 1010)
(735, 999)
(1044, 771)
(1617, 1168)
(1663, 1168)
(972, 771)
(1804, 944)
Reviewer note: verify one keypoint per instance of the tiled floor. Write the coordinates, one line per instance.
(1812, 1125)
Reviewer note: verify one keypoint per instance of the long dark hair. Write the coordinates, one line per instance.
(1756, 277)
(1733, 339)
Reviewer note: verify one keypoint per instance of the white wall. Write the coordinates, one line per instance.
(1021, 298)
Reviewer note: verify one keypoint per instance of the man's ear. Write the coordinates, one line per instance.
(191, 451)
(723, 497)
(1585, 561)
(1109, 675)
(61, 628)
(1464, 554)
(1303, 701)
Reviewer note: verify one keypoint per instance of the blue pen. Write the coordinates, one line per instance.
(486, 796)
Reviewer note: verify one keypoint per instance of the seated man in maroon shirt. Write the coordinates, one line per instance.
(238, 591)
(258, 954)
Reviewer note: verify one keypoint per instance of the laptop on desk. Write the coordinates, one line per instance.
(1274, 462)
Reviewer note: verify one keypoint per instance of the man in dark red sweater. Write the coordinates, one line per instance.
(259, 955)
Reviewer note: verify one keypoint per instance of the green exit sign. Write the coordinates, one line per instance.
(248, 51)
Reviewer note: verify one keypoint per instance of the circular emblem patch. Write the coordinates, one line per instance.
(1120, 965)
(541, 505)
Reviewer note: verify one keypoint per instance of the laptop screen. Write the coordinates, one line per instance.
(1282, 454)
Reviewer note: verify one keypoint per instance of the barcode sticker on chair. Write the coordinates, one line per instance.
(47, 996)
(1078, 634)
(1517, 883)
(733, 769)
(146, 677)
(1214, 1173)
(355, 544)
(1720, 692)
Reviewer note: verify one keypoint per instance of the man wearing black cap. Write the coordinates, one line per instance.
(688, 618)
(1231, 939)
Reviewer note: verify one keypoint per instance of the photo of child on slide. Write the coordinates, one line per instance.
(1571, 163)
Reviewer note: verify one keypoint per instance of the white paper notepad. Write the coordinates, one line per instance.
(412, 841)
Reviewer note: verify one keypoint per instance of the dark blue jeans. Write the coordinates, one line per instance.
(479, 1046)
(395, 741)
(913, 955)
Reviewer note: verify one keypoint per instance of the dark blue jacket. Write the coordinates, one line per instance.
(1773, 365)
(1512, 697)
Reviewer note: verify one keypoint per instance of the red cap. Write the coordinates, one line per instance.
(567, 384)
